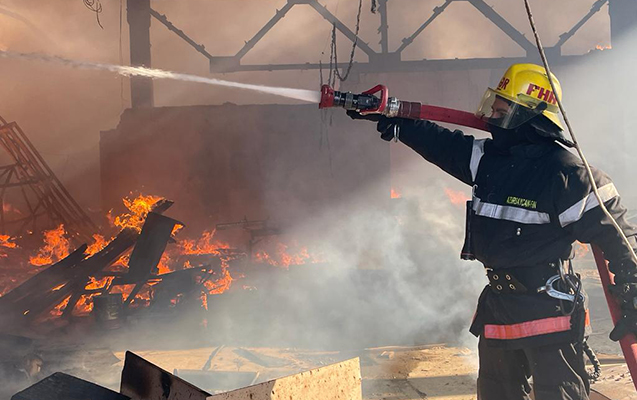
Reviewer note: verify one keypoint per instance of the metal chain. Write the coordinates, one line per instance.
(96, 7)
(333, 53)
(572, 133)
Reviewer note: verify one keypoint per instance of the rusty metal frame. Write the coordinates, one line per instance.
(38, 185)
(385, 60)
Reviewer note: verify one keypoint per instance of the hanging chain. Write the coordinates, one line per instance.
(333, 53)
(96, 7)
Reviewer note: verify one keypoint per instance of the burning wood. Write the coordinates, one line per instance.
(56, 247)
(138, 209)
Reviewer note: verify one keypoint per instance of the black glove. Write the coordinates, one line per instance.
(384, 125)
(626, 294)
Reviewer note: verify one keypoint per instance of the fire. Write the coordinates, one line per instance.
(163, 266)
(56, 247)
(94, 284)
(84, 305)
(59, 309)
(98, 244)
(603, 47)
(138, 209)
(6, 241)
(204, 245)
(220, 285)
(284, 258)
(455, 197)
(395, 194)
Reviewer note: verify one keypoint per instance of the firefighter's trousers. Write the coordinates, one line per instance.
(558, 373)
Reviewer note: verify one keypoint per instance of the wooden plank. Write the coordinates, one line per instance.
(150, 246)
(142, 380)
(61, 386)
(341, 381)
(44, 280)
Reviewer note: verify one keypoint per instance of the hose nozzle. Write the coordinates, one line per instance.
(365, 102)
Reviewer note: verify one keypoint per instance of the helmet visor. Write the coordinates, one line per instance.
(499, 111)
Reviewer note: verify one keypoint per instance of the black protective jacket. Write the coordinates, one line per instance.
(531, 203)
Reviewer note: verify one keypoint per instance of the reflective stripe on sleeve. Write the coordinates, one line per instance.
(577, 210)
(476, 155)
(509, 213)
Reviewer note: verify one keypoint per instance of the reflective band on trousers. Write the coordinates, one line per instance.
(531, 328)
(575, 212)
(527, 329)
(476, 155)
(509, 213)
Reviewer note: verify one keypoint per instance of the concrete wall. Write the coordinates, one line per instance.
(224, 163)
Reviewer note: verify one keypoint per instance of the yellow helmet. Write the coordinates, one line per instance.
(523, 93)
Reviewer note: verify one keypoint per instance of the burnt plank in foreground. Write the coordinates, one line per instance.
(142, 380)
(61, 386)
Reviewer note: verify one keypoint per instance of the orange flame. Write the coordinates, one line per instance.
(56, 247)
(455, 197)
(603, 47)
(220, 285)
(138, 209)
(94, 284)
(395, 194)
(284, 258)
(59, 309)
(163, 266)
(84, 305)
(204, 245)
(6, 242)
(98, 244)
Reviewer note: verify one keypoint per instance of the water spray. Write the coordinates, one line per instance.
(309, 96)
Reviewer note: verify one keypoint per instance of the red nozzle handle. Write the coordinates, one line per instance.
(327, 97)
(384, 96)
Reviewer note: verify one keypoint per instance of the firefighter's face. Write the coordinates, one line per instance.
(500, 109)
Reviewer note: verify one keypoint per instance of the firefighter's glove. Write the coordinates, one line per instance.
(386, 126)
(626, 295)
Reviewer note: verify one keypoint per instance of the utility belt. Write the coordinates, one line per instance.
(547, 278)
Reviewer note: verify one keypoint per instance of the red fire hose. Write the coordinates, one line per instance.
(629, 342)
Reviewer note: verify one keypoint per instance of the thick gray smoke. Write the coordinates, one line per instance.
(391, 275)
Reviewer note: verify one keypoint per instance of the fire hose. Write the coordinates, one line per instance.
(377, 101)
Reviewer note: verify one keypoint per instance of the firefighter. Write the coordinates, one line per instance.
(531, 201)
